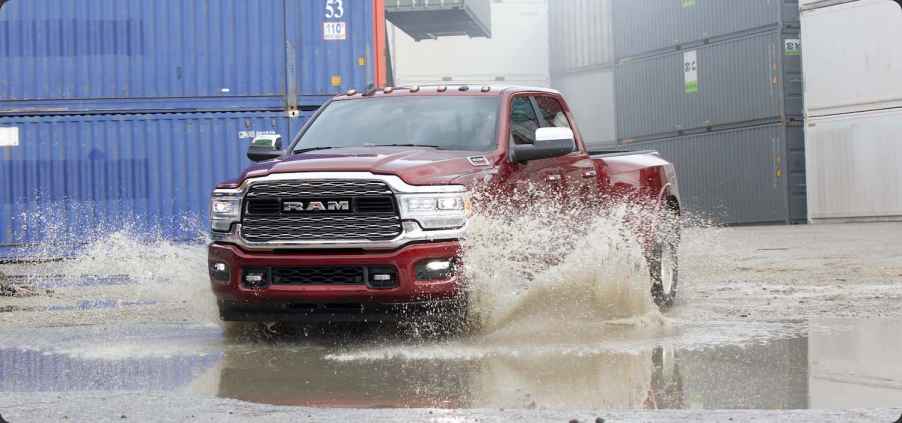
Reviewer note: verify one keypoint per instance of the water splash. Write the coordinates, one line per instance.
(533, 266)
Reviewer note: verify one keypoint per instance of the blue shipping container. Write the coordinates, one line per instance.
(186, 55)
(72, 178)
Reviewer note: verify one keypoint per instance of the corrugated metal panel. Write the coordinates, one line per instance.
(326, 67)
(516, 54)
(580, 34)
(852, 57)
(429, 19)
(814, 4)
(590, 95)
(225, 53)
(652, 25)
(81, 174)
(742, 176)
(853, 165)
(751, 79)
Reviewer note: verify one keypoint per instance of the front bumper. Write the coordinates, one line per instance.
(307, 302)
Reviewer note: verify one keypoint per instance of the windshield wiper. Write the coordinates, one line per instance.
(307, 150)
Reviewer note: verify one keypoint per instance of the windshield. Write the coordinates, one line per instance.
(451, 123)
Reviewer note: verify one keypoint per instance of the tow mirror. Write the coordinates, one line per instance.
(550, 142)
(265, 147)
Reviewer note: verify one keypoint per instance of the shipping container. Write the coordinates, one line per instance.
(72, 178)
(590, 95)
(815, 4)
(647, 26)
(753, 79)
(854, 167)
(108, 55)
(517, 53)
(580, 35)
(740, 176)
(852, 57)
(430, 19)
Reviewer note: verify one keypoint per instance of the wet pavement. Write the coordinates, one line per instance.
(803, 321)
(821, 365)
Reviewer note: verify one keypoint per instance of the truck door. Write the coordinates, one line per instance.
(545, 174)
(578, 171)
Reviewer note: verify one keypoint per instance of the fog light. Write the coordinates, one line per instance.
(438, 266)
(219, 272)
(256, 278)
(435, 269)
(382, 277)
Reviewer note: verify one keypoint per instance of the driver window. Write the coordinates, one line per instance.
(524, 121)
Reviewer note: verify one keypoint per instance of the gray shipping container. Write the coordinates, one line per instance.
(580, 35)
(752, 79)
(746, 175)
(644, 26)
(590, 95)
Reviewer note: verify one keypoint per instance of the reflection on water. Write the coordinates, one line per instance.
(661, 378)
(838, 365)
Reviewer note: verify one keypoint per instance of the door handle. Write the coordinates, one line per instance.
(590, 174)
(553, 178)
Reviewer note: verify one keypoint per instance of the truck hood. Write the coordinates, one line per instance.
(416, 166)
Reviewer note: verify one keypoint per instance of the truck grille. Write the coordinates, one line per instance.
(320, 275)
(325, 210)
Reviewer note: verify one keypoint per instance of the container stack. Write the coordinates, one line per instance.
(853, 108)
(716, 87)
(128, 112)
(581, 59)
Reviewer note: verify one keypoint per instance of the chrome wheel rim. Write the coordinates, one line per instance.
(668, 270)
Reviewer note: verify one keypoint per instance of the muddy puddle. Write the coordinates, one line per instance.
(829, 364)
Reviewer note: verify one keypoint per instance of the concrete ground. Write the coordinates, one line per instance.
(781, 323)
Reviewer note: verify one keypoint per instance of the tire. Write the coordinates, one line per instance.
(663, 262)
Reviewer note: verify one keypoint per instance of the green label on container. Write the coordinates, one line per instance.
(792, 47)
(688, 3)
(690, 71)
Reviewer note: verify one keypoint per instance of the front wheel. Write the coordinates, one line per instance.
(664, 264)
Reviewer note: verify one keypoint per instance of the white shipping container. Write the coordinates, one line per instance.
(591, 99)
(580, 35)
(852, 57)
(517, 53)
(853, 170)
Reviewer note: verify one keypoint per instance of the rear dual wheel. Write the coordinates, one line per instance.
(663, 262)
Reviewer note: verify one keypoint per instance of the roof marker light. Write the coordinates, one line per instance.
(388, 90)
(442, 88)
(351, 92)
(486, 89)
(464, 88)
(415, 88)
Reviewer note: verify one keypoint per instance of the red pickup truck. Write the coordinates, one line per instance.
(359, 217)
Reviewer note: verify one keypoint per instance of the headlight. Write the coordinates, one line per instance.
(224, 211)
(436, 211)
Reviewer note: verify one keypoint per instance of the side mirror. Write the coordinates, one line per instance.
(265, 147)
(550, 142)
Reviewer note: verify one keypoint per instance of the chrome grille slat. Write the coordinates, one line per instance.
(298, 189)
(356, 226)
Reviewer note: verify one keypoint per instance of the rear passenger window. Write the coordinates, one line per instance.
(524, 121)
(553, 115)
